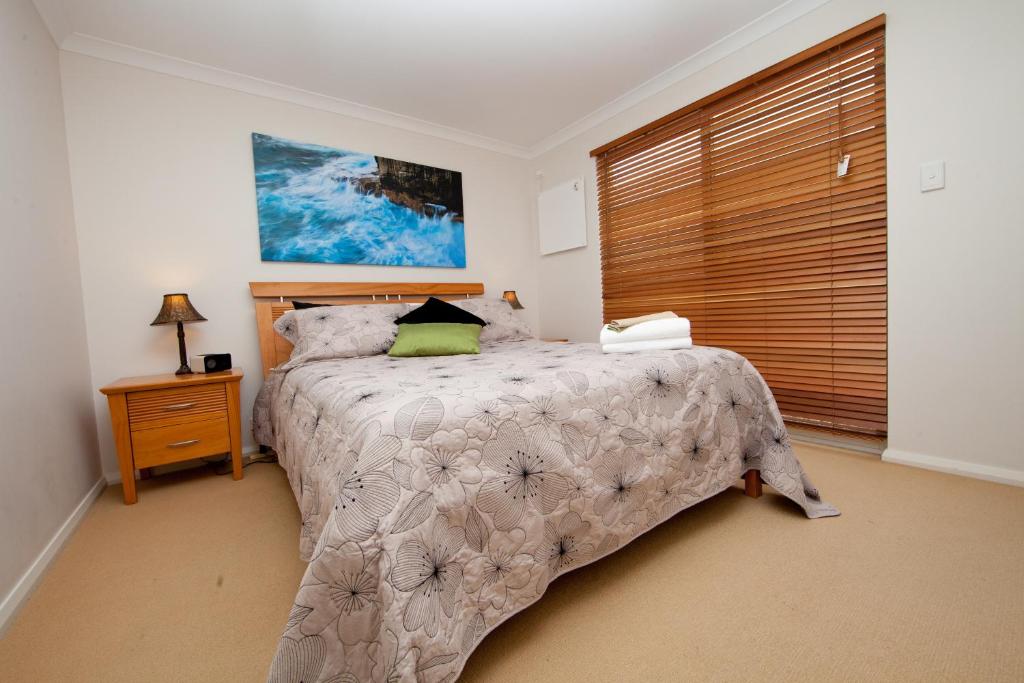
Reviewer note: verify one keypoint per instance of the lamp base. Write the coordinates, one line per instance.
(184, 369)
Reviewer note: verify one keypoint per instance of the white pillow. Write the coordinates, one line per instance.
(287, 326)
(328, 332)
(502, 322)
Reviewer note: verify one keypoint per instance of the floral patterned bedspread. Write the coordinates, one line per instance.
(441, 495)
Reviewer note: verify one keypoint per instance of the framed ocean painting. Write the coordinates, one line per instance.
(323, 205)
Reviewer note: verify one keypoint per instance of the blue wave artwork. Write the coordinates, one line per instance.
(322, 205)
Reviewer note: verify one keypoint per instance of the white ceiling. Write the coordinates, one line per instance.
(516, 72)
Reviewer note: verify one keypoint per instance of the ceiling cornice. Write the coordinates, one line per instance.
(56, 20)
(153, 61)
(737, 40)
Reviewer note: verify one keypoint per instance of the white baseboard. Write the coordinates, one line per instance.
(1001, 475)
(23, 588)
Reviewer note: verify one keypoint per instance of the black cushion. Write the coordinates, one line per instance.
(437, 311)
(299, 305)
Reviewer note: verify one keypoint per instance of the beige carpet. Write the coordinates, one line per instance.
(921, 579)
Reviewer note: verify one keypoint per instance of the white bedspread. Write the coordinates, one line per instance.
(440, 496)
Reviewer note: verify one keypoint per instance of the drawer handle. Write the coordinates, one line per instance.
(182, 444)
(179, 406)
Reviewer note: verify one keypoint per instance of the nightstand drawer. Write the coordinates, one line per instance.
(162, 407)
(162, 445)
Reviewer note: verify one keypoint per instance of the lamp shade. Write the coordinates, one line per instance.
(177, 309)
(512, 299)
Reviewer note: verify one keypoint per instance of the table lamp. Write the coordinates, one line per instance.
(512, 299)
(178, 309)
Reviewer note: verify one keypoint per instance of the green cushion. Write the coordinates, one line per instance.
(436, 339)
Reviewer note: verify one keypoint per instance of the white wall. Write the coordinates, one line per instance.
(956, 322)
(161, 165)
(48, 462)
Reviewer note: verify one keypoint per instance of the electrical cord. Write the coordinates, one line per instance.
(268, 459)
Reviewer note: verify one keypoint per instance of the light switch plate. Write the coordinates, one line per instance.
(933, 175)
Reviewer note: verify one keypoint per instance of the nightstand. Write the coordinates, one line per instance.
(160, 419)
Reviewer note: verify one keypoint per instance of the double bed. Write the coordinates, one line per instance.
(441, 495)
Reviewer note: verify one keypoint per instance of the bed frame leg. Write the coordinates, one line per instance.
(752, 484)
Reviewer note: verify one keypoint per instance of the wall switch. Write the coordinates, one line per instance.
(933, 176)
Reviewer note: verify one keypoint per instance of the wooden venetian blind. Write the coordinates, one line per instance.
(731, 212)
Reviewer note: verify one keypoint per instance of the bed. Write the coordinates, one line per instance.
(439, 496)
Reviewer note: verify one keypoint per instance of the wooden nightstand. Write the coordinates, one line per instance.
(160, 419)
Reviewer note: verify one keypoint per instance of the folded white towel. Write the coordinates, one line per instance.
(622, 323)
(649, 345)
(666, 328)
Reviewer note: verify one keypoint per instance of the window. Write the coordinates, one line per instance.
(732, 212)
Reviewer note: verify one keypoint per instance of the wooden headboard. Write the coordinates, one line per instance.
(274, 298)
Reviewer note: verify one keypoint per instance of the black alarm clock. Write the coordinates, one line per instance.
(211, 362)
